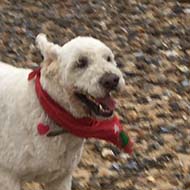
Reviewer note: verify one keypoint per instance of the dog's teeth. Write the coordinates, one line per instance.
(92, 99)
(100, 106)
(103, 110)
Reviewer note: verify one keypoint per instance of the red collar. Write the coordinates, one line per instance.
(109, 130)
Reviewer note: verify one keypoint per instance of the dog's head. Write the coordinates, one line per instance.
(81, 76)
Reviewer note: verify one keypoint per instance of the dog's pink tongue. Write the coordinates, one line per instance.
(108, 102)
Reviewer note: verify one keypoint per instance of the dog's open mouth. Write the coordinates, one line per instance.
(103, 107)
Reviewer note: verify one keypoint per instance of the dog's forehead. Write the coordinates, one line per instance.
(86, 44)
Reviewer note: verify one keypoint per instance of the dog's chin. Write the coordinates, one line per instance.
(99, 108)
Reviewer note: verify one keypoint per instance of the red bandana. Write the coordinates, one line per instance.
(109, 130)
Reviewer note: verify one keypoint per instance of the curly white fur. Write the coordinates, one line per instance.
(25, 155)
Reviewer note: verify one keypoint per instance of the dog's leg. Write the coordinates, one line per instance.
(60, 184)
(8, 181)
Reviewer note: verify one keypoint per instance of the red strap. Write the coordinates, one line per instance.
(129, 147)
(34, 73)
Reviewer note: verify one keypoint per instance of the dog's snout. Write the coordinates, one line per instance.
(109, 81)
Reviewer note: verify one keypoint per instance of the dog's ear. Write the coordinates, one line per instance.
(50, 52)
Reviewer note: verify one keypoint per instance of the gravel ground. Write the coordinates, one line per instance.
(151, 41)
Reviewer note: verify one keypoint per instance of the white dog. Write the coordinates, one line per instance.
(74, 75)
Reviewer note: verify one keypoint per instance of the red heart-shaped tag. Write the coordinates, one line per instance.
(42, 129)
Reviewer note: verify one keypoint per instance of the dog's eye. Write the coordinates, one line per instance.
(108, 59)
(82, 62)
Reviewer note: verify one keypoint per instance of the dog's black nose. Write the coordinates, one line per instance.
(109, 81)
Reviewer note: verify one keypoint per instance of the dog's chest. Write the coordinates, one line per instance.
(52, 157)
